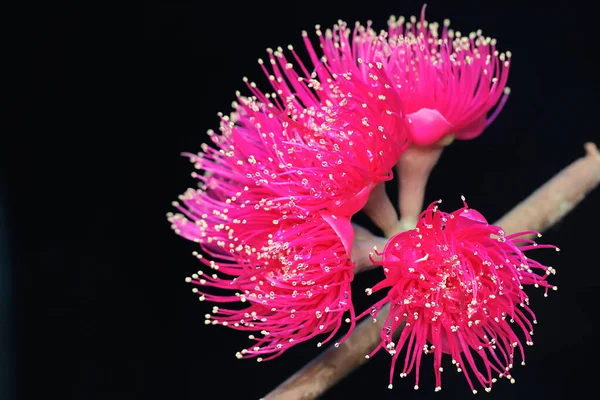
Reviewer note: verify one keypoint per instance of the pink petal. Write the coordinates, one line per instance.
(428, 126)
(474, 215)
(466, 219)
(350, 207)
(342, 227)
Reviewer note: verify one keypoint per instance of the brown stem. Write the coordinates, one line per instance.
(538, 212)
(553, 200)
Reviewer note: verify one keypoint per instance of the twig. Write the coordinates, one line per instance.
(540, 211)
(553, 200)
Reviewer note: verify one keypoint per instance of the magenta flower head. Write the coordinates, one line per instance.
(448, 82)
(289, 279)
(456, 282)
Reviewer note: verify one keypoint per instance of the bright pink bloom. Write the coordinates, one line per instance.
(458, 283)
(293, 275)
(447, 82)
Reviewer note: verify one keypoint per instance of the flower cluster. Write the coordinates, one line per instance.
(285, 175)
(290, 166)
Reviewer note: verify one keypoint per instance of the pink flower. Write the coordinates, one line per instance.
(457, 282)
(447, 82)
(293, 275)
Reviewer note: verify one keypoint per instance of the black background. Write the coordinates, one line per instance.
(92, 167)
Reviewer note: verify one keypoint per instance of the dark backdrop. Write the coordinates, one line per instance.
(102, 308)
